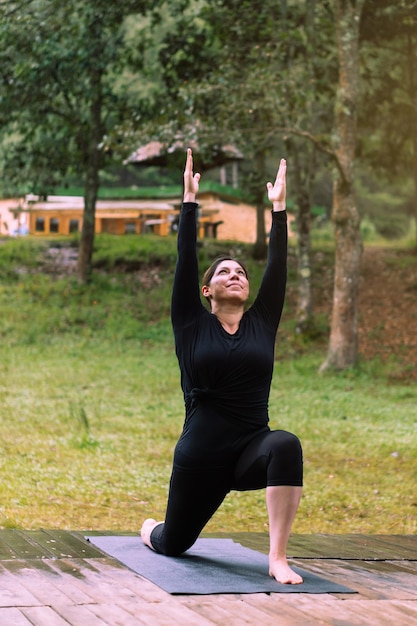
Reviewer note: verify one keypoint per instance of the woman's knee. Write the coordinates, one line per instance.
(170, 546)
(286, 461)
(284, 441)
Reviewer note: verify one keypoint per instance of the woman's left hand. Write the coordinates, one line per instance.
(277, 192)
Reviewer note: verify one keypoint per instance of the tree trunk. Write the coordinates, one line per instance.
(85, 253)
(259, 251)
(305, 319)
(412, 89)
(343, 344)
(92, 181)
(415, 184)
(302, 176)
(260, 248)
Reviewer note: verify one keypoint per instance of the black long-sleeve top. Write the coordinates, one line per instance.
(228, 373)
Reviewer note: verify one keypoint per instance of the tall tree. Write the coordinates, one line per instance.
(343, 344)
(66, 57)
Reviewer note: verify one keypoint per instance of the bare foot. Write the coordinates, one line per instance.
(145, 532)
(282, 572)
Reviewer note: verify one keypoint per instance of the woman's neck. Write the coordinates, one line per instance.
(229, 317)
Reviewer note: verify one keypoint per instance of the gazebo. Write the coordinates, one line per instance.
(168, 155)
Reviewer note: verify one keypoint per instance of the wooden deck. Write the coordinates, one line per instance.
(56, 578)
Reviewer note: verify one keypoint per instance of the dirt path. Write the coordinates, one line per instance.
(388, 310)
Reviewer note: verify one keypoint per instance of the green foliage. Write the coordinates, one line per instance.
(124, 252)
(60, 89)
(368, 230)
(385, 208)
(18, 253)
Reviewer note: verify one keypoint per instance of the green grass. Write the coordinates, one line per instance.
(90, 407)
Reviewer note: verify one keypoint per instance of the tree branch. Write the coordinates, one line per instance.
(322, 147)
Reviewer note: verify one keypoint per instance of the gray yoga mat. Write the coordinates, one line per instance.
(211, 566)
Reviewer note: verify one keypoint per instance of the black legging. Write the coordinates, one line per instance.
(272, 458)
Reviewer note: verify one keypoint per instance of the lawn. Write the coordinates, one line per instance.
(90, 409)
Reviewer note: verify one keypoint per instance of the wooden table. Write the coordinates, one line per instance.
(56, 578)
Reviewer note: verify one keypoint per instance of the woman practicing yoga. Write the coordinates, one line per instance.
(226, 358)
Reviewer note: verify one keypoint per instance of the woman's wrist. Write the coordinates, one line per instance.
(279, 206)
(189, 196)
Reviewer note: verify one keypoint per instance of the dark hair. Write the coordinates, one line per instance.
(209, 273)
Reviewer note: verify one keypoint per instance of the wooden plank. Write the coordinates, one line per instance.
(408, 608)
(115, 615)
(254, 541)
(323, 609)
(212, 610)
(43, 544)
(6, 551)
(23, 545)
(12, 593)
(348, 573)
(18, 565)
(39, 581)
(166, 613)
(392, 574)
(285, 615)
(378, 547)
(124, 578)
(43, 616)
(335, 547)
(105, 586)
(71, 581)
(101, 533)
(13, 616)
(107, 582)
(229, 609)
(314, 546)
(357, 576)
(409, 567)
(403, 546)
(383, 613)
(72, 545)
(241, 612)
(299, 546)
(78, 615)
(351, 546)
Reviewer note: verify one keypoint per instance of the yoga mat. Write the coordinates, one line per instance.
(211, 566)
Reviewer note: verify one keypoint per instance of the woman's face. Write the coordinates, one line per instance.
(229, 283)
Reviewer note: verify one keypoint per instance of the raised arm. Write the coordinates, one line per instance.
(271, 295)
(185, 300)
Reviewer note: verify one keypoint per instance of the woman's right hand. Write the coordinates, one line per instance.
(191, 180)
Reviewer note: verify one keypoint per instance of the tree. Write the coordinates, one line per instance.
(65, 60)
(343, 344)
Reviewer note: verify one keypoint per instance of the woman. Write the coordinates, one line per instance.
(226, 358)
